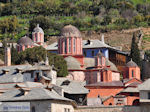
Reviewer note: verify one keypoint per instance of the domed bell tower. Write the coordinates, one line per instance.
(100, 60)
(70, 42)
(38, 35)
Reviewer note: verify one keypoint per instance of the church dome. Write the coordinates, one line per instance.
(72, 63)
(38, 29)
(25, 41)
(112, 65)
(70, 31)
(131, 64)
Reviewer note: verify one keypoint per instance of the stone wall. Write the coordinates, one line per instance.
(109, 109)
(51, 106)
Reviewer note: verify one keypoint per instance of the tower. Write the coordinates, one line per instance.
(38, 35)
(100, 60)
(7, 56)
(132, 71)
(70, 42)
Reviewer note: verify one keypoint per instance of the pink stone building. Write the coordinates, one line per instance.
(131, 70)
(37, 39)
(91, 70)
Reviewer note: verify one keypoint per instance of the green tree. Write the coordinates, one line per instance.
(9, 25)
(38, 54)
(135, 52)
(44, 22)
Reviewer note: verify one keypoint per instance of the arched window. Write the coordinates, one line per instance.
(100, 60)
(74, 44)
(69, 45)
(132, 73)
(93, 53)
(65, 45)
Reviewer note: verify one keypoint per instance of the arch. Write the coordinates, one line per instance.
(135, 102)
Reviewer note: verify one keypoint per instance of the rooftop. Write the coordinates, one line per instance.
(25, 41)
(72, 87)
(102, 84)
(70, 31)
(33, 94)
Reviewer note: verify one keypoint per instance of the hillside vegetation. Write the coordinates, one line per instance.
(19, 17)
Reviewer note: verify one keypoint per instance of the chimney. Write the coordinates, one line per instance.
(7, 56)
(19, 70)
(24, 91)
(5, 71)
(102, 38)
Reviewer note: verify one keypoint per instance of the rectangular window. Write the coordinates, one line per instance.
(74, 45)
(132, 73)
(69, 44)
(31, 75)
(65, 45)
(92, 53)
(85, 53)
(148, 95)
(66, 110)
(100, 60)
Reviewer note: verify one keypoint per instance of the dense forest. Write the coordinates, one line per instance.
(19, 17)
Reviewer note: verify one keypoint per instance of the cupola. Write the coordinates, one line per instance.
(70, 41)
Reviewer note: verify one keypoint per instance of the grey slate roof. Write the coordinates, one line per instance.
(113, 83)
(29, 85)
(53, 46)
(131, 64)
(34, 94)
(130, 90)
(90, 62)
(38, 29)
(25, 41)
(111, 64)
(7, 86)
(94, 44)
(72, 63)
(134, 84)
(12, 75)
(73, 87)
(70, 31)
(145, 85)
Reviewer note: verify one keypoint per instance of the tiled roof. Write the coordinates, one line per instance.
(34, 94)
(113, 83)
(25, 41)
(38, 29)
(73, 87)
(130, 90)
(134, 84)
(72, 63)
(70, 31)
(145, 85)
(12, 75)
(131, 64)
(94, 44)
(29, 85)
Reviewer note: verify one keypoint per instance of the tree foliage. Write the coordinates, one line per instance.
(52, 15)
(38, 54)
(135, 52)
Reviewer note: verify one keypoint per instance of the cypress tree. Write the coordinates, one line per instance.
(135, 52)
